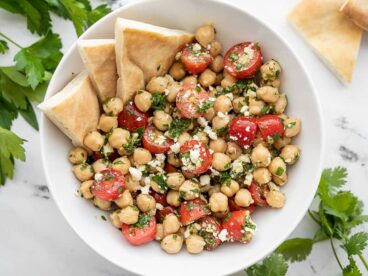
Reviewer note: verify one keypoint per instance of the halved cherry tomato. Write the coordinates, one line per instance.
(132, 118)
(195, 58)
(161, 214)
(205, 157)
(210, 228)
(193, 210)
(141, 232)
(257, 194)
(243, 130)
(237, 224)
(169, 168)
(160, 198)
(243, 60)
(189, 100)
(270, 126)
(110, 186)
(155, 141)
(234, 207)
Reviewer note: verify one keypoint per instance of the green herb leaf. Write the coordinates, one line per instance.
(97, 13)
(351, 269)
(37, 13)
(159, 179)
(222, 131)
(158, 101)
(29, 115)
(356, 243)
(279, 171)
(178, 126)
(205, 106)
(8, 113)
(3, 46)
(295, 250)
(273, 265)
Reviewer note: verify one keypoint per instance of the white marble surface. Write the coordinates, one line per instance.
(36, 240)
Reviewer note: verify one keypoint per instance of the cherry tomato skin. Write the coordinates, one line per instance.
(243, 130)
(270, 126)
(204, 154)
(110, 186)
(195, 63)
(161, 214)
(189, 99)
(257, 196)
(210, 228)
(132, 118)
(97, 155)
(160, 198)
(169, 168)
(193, 210)
(234, 224)
(236, 54)
(234, 207)
(151, 145)
(138, 236)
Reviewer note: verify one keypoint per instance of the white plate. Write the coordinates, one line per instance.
(233, 25)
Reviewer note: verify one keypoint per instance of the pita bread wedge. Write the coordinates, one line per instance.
(356, 11)
(75, 109)
(144, 51)
(98, 56)
(332, 36)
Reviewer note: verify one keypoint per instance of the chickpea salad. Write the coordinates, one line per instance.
(192, 156)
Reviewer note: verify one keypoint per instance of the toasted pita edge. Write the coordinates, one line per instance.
(355, 13)
(59, 108)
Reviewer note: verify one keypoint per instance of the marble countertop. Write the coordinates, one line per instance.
(36, 240)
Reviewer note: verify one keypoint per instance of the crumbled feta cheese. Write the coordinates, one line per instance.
(159, 206)
(202, 122)
(234, 138)
(221, 114)
(147, 181)
(145, 189)
(135, 173)
(205, 180)
(223, 235)
(187, 233)
(161, 157)
(167, 91)
(230, 96)
(248, 179)
(175, 147)
(244, 158)
(210, 132)
(139, 119)
(237, 166)
(178, 55)
(214, 172)
(196, 47)
(160, 140)
(244, 109)
(194, 155)
(142, 168)
(98, 176)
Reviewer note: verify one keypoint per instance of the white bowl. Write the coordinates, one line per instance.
(274, 226)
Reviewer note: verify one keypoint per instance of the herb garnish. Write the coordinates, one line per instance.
(134, 140)
(205, 106)
(159, 179)
(158, 101)
(178, 126)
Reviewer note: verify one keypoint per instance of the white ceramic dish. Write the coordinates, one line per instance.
(233, 25)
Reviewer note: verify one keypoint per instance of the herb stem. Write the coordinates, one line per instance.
(363, 261)
(334, 252)
(10, 40)
(313, 217)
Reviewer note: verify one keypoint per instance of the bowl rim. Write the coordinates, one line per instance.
(294, 223)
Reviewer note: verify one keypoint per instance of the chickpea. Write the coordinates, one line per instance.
(205, 35)
(280, 180)
(102, 204)
(271, 70)
(243, 198)
(157, 188)
(171, 224)
(174, 180)
(220, 122)
(94, 140)
(280, 104)
(255, 106)
(195, 244)
(161, 120)
(221, 161)
(214, 189)
(290, 154)
(210, 114)
(261, 156)
(189, 190)
(119, 137)
(121, 164)
(113, 106)
(219, 78)
(207, 78)
(129, 214)
(223, 104)
(173, 159)
(78, 155)
(177, 71)
(125, 199)
(230, 188)
(172, 243)
(130, 184)
(114, 217)
(85, 189)
(274, 83)
(190, 80)
(262, 176)
(145, 202)
(83, 172)
(218, 145)
(142, 156)
(228, 80)
(217, 64)
(159, 232)
(184, 137)
(233, 150)
(173, 198)
(275, 199)
(215, 48)
(143, 100)
(202, 137)
(218, 202)
(106, 123)
(100, 165)
(277, 167)
(292, 127)
(268, 94)
(188, 175)
(281, 142)
(157, 84)
(238, 104)
(173, 88)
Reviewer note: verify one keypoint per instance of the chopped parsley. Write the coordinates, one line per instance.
(134, 141)
(159, 179)
(233, 57)
(225, 178)
(158, 67)
(205, 106)
(158, 101)
(228, 216)
(279, 171)
(120, 190)
(222, 131)
(265, 110)
(103, 217)
(290, 125)
(178, 126)
(143, 220)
